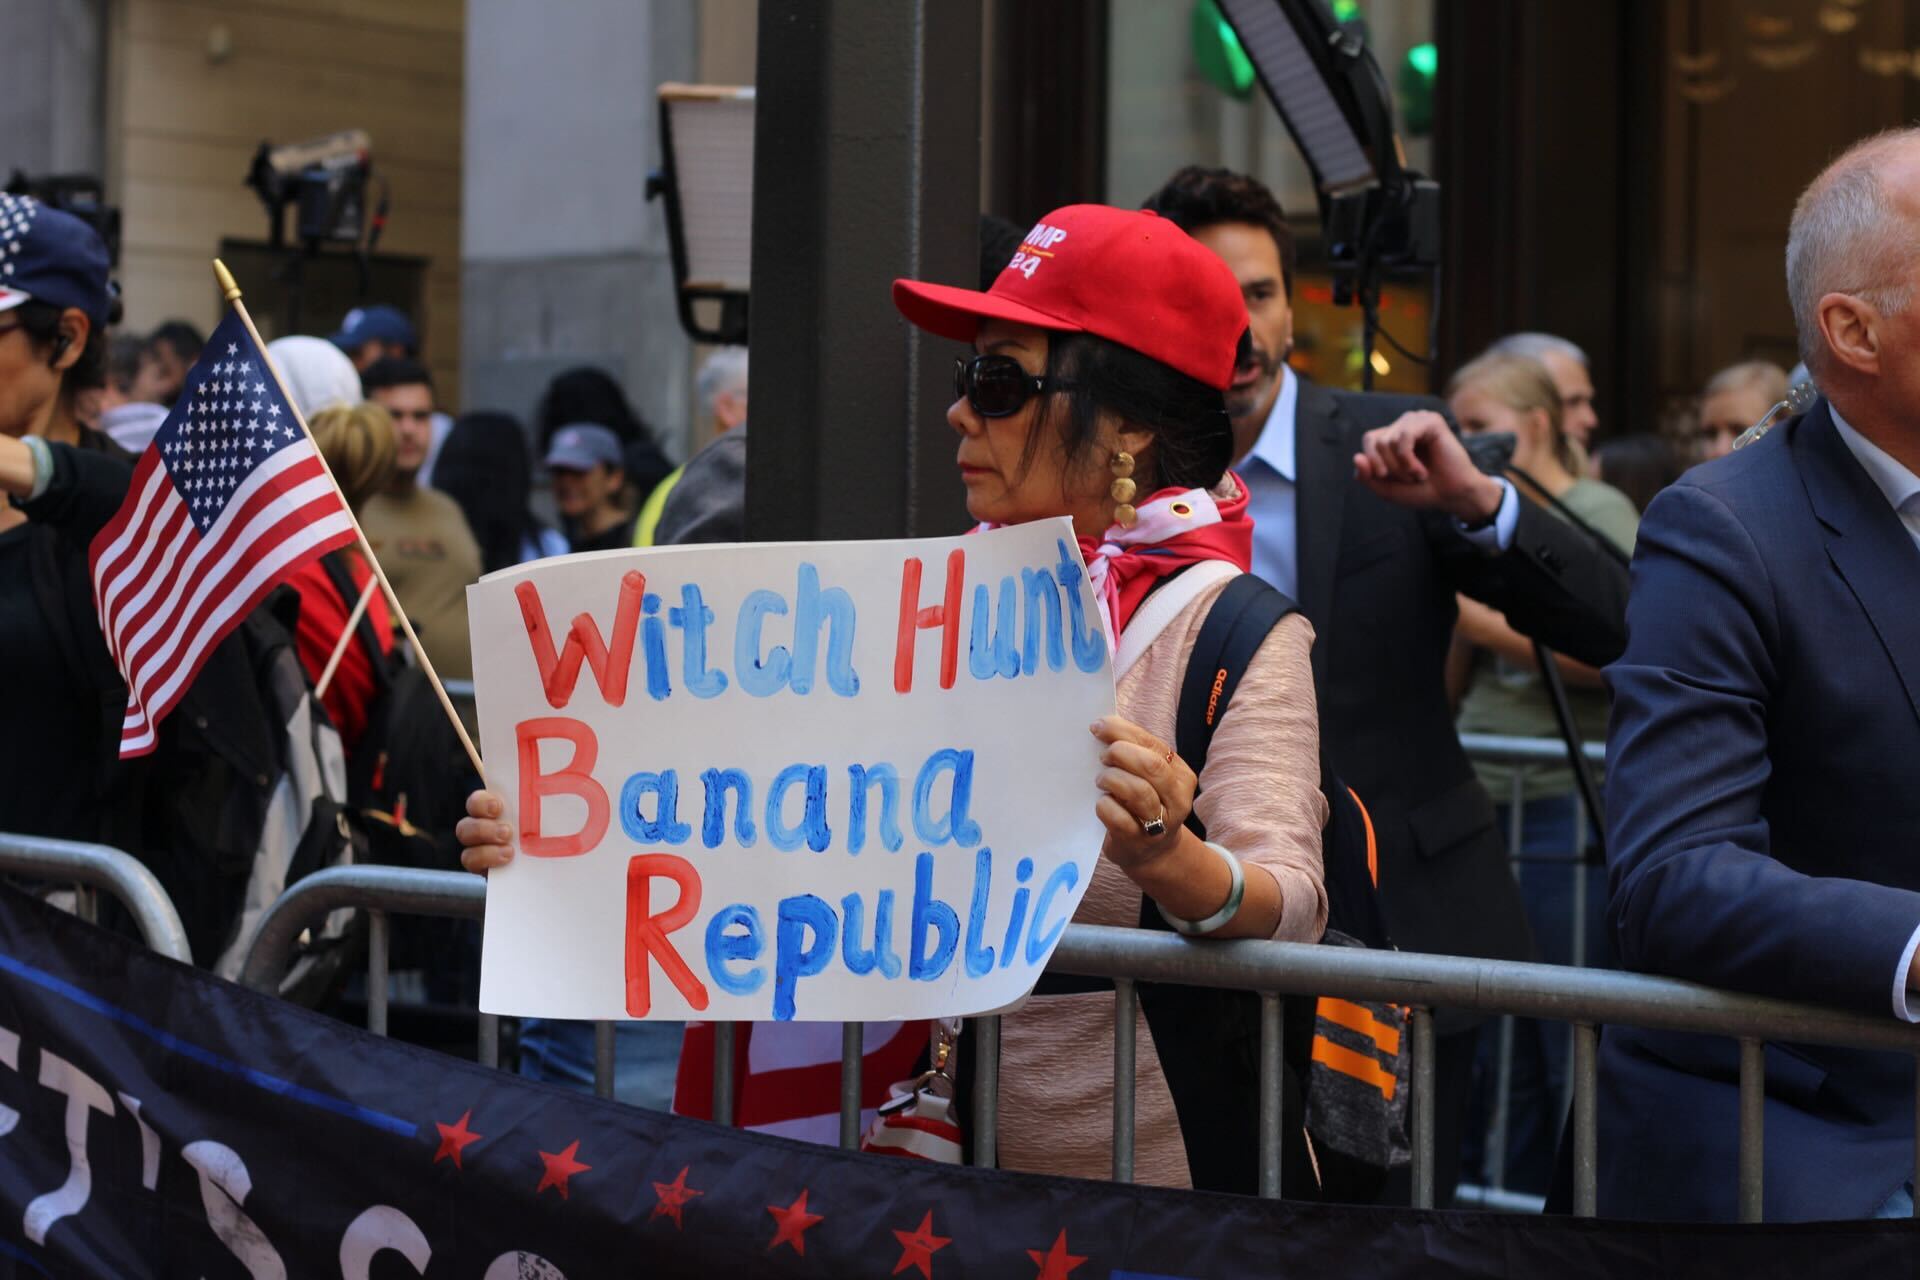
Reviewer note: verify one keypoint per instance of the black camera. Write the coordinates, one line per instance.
(82, 195)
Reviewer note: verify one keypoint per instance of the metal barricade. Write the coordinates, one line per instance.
(91, 868)
(1587, 998)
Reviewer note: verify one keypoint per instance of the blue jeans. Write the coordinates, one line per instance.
(1542, 1051)
(646, 1058)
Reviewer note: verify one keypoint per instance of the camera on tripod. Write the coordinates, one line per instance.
(325, 181)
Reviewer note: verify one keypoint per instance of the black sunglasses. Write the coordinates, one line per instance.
(996, 386)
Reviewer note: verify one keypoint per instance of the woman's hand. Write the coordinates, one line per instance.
(485, 841)
(1142, 779)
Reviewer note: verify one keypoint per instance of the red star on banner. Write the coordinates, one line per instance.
(918, 1246)
(559, 1168)
(794, 1221)
(673, 1197)
(454, 1138)
(1056, 1262)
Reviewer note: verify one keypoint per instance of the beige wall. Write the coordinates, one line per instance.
(182, 123)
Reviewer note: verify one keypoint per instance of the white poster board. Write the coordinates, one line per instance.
(812, 781)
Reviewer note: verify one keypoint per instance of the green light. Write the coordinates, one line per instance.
(1424, 58)
(1217, 54)
(1346, 10)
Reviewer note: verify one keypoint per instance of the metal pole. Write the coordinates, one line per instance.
(986, 1091)
(1586, 1087)
(723, 1073)
(86, 904)
(853, 1036)
(603, 1059)
(1271, 1101)
(1125, 1004)
(1422, 1107)
(1753, 1102)
(1501, 1125)
(377, 972)
(489, 1048)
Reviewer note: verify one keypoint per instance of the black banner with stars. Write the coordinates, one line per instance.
(155, 1121)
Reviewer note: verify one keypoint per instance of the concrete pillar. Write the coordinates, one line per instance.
(52, 72)
(564, 261)
(866, 167)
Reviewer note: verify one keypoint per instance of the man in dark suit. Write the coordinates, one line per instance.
(1765, 736)
(1375, 564)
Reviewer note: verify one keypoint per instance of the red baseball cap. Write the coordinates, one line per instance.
(1125, 275)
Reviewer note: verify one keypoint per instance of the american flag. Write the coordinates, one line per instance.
(229, 499)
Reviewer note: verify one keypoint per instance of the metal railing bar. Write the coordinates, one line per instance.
(488, 1050)
(1272, 1029)
(378, 941)
(853, 1037)
(1556, 992)
(1586, 1113)
(400, 890)
(986, 1090)
(1503, 748)
(1422, 1105)
(603, 1051)
(723, 1073)
(102, 867)
(1753, 1103)
(1125, 1007)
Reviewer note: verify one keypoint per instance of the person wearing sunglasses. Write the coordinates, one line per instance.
(1094, 391)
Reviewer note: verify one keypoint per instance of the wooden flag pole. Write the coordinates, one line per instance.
(346, 637)
(231, 291)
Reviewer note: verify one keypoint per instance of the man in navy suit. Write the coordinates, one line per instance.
(1763, 789)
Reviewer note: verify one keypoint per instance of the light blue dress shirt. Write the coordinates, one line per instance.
(1270, 471)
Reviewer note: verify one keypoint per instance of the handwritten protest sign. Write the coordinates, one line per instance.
(814, 781)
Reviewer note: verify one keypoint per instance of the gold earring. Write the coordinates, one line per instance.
(1123, 489)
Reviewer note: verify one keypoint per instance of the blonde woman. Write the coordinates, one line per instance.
(1494, 674)
(358, 445)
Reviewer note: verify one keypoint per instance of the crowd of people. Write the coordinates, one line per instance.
(1136, 380)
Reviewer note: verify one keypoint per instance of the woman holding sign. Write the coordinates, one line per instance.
(1095, 391)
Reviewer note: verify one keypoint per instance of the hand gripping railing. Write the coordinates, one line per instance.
(91, 867)
(1585, 997)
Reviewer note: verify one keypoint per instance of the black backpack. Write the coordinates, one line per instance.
(1338, 1055)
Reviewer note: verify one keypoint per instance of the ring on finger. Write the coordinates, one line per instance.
(1155, 827)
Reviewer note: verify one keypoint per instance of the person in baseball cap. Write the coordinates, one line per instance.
(371, 334)
(56, 301)
(588, 467)
(1095, 389)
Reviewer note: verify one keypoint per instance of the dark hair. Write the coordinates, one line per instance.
(1000, 239)
(1639, 466)
(1192, 438)
(41, 321)
(123, 360)
(1198, 197)
(394, 371)
(178, 337)
(587, 394)
(484, 467)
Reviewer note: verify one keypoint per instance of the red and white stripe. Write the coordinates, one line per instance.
(167, 594)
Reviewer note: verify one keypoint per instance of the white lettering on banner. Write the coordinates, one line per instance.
(84, 1097)
(224, 1187)
(522, 1266)
(149, 1144)
(9, 1054)
(380, 1228)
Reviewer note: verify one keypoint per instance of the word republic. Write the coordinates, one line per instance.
(1031, 623)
